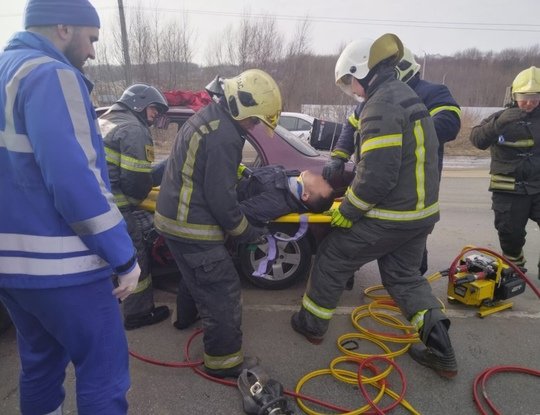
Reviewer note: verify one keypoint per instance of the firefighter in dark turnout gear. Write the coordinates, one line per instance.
(440, 103)
(513, 137)
(197, 208)
(130, 153)
(390, 208)
(272, 191)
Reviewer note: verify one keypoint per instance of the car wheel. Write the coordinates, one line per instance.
(292, 263)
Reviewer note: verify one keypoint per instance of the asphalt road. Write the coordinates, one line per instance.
(511, 337)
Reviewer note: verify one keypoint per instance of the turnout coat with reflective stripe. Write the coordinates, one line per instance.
(130, 152)
(440, 103)
(59, 225)
(397, 179)
(197, 201)
(515, 153)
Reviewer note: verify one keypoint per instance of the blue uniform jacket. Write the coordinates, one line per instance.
(59, 225)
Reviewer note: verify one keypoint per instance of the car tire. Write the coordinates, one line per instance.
(293, 260)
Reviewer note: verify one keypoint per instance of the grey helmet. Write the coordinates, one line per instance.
(139, 96)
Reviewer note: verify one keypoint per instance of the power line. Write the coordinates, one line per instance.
(479, 26)
(428, 24)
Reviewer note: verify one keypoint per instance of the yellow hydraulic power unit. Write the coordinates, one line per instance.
(484, 281)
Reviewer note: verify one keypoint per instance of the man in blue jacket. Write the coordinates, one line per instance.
(440, 103)
(62, 237)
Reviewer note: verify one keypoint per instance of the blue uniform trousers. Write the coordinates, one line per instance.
(82, 325)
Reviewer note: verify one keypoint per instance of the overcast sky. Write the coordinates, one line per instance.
(425, 26)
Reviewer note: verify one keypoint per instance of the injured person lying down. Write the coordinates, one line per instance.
(266, 193)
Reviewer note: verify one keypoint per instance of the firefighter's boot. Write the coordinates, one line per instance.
(154, 316)
(438, 353)
(233, 372)
(299, 324)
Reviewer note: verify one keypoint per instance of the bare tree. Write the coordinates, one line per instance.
(140, 47)
(294, 70)
(177, 54)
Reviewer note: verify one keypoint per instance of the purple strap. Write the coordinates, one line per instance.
(271, 254)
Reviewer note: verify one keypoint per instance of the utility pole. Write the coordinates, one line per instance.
(125, 45)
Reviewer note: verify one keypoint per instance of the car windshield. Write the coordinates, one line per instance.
(296, 142)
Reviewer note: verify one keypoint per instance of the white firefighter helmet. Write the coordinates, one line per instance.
(253, 93)
(361, 56)
(407, 67)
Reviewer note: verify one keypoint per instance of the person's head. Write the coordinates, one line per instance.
(145, 100)
(407, 67)
(317, 194)
(361, 60)
(71, 25)
(251, 97)
(526, 89)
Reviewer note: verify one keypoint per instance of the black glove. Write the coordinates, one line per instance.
(509, 116)
(252, 235)
(333, 169)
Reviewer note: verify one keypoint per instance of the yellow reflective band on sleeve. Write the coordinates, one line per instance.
(418, 320)
(321, 312)
(383, 141)
(127, 163)
(112, 156)
(405, 215)
(143, 285)
(529, 142)
(355, 122)
(420, 173)
(188, 230)
(133, 164)
(341, 154)
(223, 362)
(452, 108)
(242, 226)
(240, 171)
(357, 202)
(120, 200)
(500, 182)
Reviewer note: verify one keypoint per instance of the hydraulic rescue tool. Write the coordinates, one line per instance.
(484, 279)
(262, 395)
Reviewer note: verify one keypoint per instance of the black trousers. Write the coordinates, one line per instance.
(210, 280)
(398, 253)
(512, 212)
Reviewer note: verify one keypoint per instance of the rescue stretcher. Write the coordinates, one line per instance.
(292, 260)
(149, 204)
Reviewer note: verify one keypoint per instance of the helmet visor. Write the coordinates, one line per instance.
(345, 84)
(527, 97)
